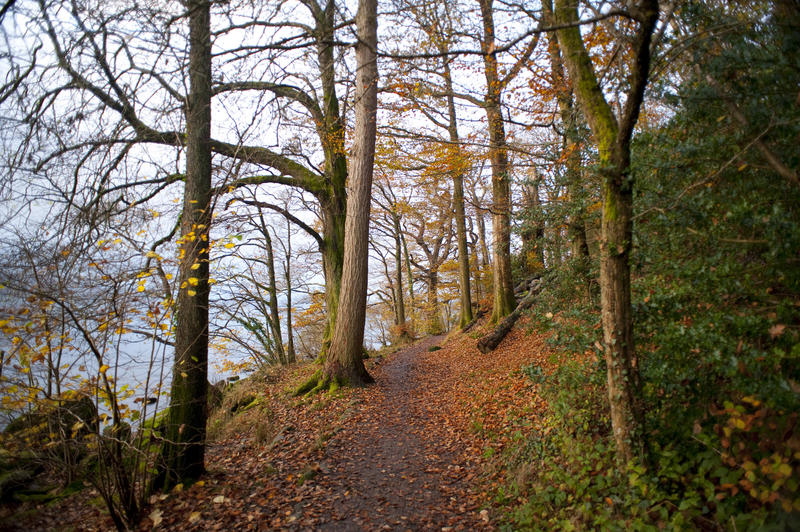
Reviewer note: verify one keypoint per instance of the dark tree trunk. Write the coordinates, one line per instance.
(434, 325)
(533, 235)
(274, 313)
(183, 450)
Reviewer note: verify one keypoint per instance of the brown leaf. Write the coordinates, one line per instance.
(777, 330)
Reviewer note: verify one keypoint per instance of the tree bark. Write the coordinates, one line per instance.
(291, 355)
(410, 275)
(334, 202)
(489, 342)
(613, 143)
(465, 315)
(398, 264)
(498, 154)
(434, 321)
(183, 449)
(274, 313)
(345, 364)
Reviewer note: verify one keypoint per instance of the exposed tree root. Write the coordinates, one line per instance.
(315, 384)
(326, 380)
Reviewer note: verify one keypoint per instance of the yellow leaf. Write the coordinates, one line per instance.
(194, 517)
(195, 266)
(194, 281)
(152, 255)
(140, 288)
(103, 368)
(168, 276)
(229, 245)
(191, 292)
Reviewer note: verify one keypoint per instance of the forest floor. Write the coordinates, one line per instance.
(424, 448)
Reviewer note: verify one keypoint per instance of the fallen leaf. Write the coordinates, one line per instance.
(777, 330)
(156, 517)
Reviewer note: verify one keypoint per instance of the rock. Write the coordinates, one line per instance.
(17, 473)
(72, 418)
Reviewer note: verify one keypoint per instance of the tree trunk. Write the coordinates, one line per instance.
(398, 264)
(465, 316)
(345, 364)
(410, 276)
(613, 144)
(498, 153)
(291, 355)
(489, 342)
(434, 325)
(274, 313)
(183, 450)
(334, 202)
(533, 236)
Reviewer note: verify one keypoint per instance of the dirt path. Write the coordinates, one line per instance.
(393, 467)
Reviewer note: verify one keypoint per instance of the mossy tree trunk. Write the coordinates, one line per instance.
(504, 301)
(344, 364)
(334, 200)
(612, 138)
(183, 449)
